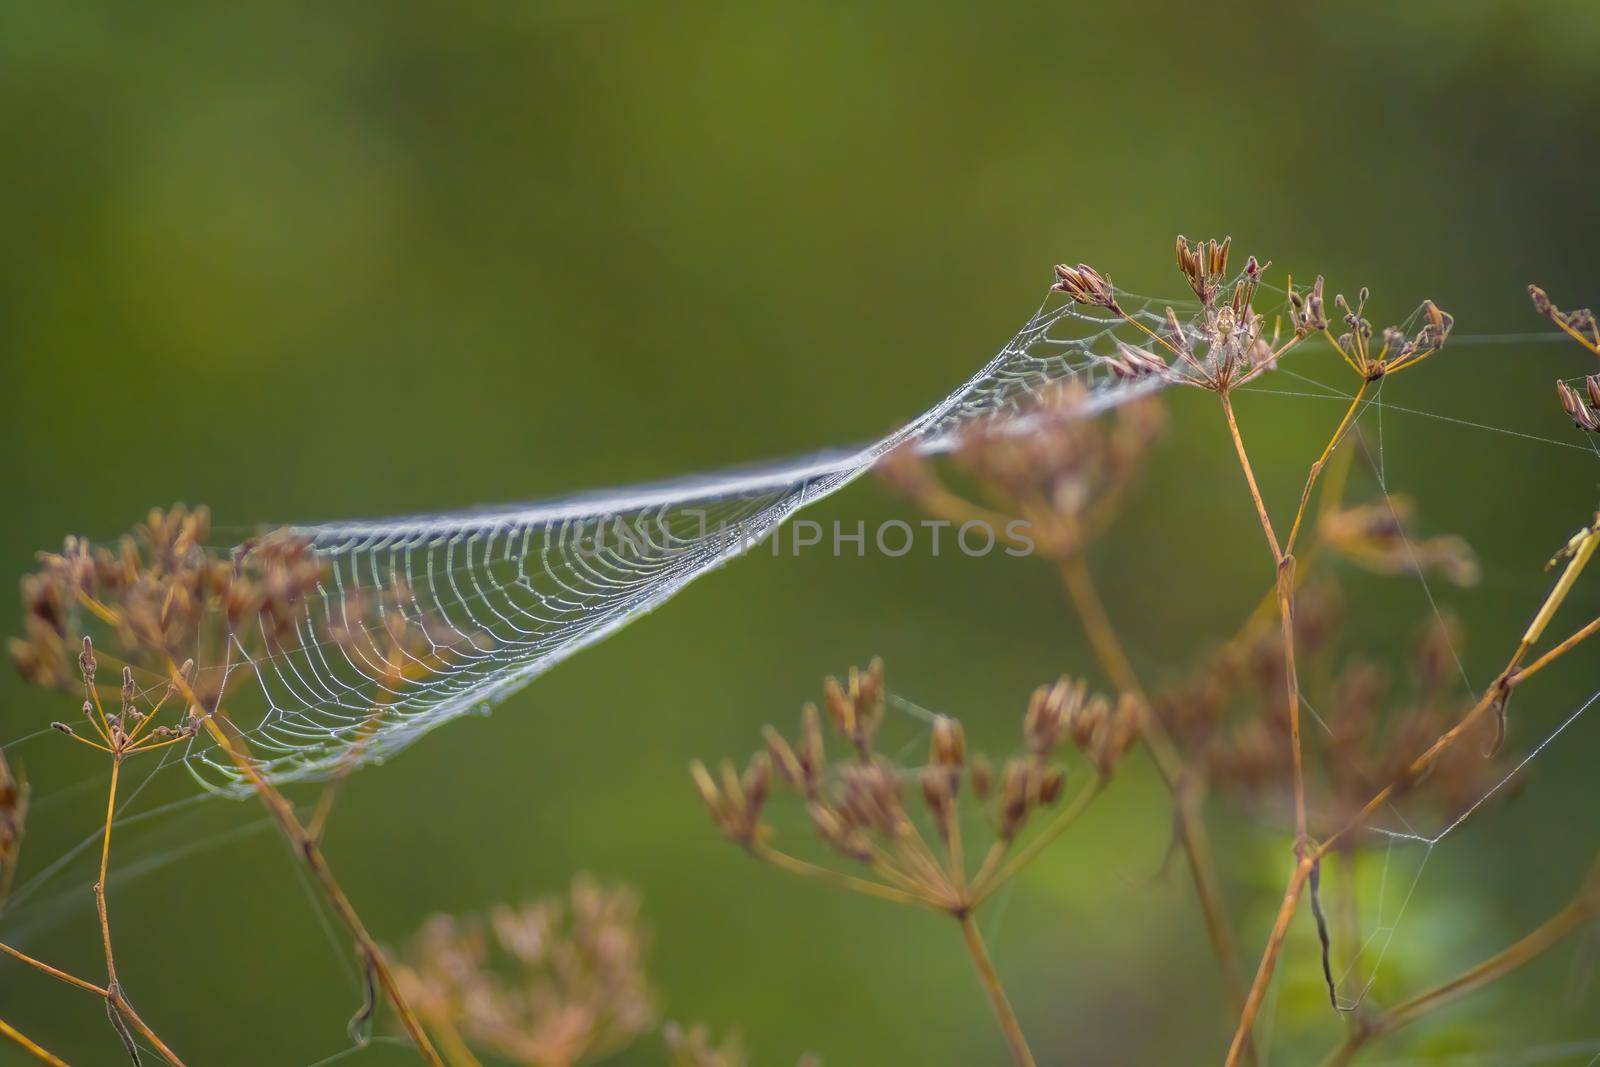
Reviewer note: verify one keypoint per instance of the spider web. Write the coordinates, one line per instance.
(504, 594)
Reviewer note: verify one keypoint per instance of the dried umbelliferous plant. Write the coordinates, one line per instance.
(556, 982)
(167, 602)
(896, 832)
(1372, 757)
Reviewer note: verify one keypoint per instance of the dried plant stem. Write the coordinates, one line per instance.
(112, 996)
(1496, 694)
(1285, 565)
(1306, 856)
(1322, 461)
(1269, 958)
(1285, 576)
(1250, 476)
(1191, 829)
(456, 1052)
(54, 972)
(105, 859)
(1578, 913)
(1555, 653)
(29, 1046)
(395, 674)
(1493, 697)
(307, 848)
(116, 1001)
(997, 994)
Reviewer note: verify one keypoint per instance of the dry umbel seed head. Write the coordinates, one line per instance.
(556, 982)
(1400, 348)
(1582, 407)
(855, 707)
(1086, 285)
(904, 824)
(161, 597)
(1054, 471)
(163, 594)
(1224, 346)
(1205, 266)
(129, 730)
(1308, 311)
(735, 800)
(1232, 722)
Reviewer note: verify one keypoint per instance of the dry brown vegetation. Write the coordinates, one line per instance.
(563, 981)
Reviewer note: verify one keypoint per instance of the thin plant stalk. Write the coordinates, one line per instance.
(1493, 697)
(29, 1046)
(1285, 568)
(112, 996)
(990, 979)
(1322, 461)
(310, 852)
(54, 972)
(456, 1052)
(1306, 858)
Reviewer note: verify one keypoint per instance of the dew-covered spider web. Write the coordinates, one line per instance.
(494, 597)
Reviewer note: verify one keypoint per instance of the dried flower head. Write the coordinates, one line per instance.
(1056, 468)
(162, 598)
(1224, 346)
(129, 730)
(1374, 535)
(865, 808)
(1232, 719)
(555, 983)
(162, 593)
(1308, 311)
(1205, 266)
(1580, 325)
(1401, 347)
(1582, 407)
(1087, 286)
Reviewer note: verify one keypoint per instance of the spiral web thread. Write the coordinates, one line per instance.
(504, 594)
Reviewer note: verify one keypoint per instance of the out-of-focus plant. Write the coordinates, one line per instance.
(556, 982)
(896, 832)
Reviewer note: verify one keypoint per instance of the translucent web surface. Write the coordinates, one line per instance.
(501, 595)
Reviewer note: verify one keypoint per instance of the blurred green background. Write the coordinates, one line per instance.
(300, 262)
